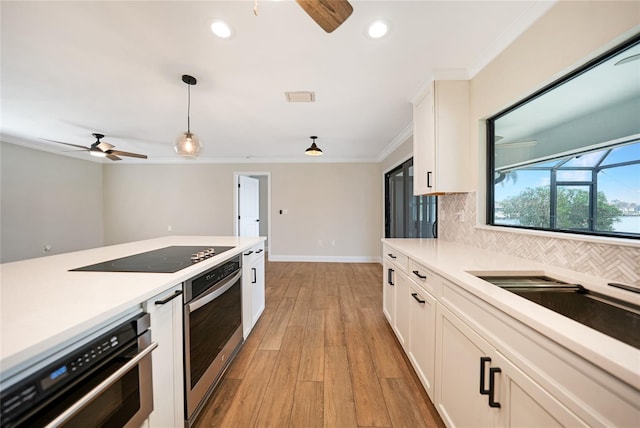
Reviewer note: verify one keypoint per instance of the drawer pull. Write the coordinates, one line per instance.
(492, 389)
(247, 253)
(392, 256)
(417, 273)
(255, 275)
(168, 299)
(483, 361)
(419, 300)
(259, 251)
(390, 276)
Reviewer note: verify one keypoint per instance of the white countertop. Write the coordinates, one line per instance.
(454, 261)
(44, 307)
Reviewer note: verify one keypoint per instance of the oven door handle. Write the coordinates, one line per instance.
(106, 384)
(213, 293)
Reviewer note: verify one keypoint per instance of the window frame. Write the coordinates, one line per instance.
(490, 145)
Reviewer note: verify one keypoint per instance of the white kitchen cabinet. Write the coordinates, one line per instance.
(389, 292)
(253, 287)
(410, 310)
(422, 336)
(402, 325)
(166, 329)
(441, 146)
(478, 386)
(393, 264)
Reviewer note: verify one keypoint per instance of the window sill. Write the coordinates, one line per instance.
(628, 242)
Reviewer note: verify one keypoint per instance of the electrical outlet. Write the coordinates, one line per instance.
(169, 228)
(333, 243)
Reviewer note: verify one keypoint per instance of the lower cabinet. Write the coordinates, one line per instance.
(411, 312)
(253, 287)
(477, 386)
(402, 325)
(389, 292)
(165, 311)
(422, 336)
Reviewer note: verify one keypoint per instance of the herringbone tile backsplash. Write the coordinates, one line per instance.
(613, 262)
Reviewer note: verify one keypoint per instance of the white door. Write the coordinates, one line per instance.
(248, 206)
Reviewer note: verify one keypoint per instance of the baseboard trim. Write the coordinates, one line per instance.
(324, 259)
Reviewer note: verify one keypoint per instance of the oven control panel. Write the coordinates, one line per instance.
(43, 385)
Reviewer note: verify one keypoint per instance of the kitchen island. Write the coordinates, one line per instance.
(534, 366)
(45, 308)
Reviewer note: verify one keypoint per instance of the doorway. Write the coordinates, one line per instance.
(252, 201)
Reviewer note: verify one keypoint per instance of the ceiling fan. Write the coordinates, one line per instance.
(102, 149)
(328, 14)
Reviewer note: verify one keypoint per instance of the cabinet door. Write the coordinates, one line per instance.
(165, 311)
(247, 299)
(422, 339)
(525, 403)
(458, 354)
(424, 145)
(389, 292)
(257, 290)
(403, 310)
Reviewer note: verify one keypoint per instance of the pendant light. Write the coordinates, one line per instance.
(188, 144)
(313, 150)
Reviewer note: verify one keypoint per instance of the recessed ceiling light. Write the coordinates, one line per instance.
(377, 29)
(221, 29)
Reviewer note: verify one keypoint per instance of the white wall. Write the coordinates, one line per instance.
(47, 199)
(326, 203)
(571, 33)
(403, 152)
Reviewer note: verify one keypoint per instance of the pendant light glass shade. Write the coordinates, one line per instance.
(313, 150)
(188, 144)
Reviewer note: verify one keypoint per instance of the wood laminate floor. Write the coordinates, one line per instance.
(322, 354)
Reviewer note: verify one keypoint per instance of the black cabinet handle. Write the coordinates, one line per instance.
(492, 389)
(416, 273)
(259, 251)
(483, 361)
(168, 299)
(392, 256)
(492, 381)
(255, 275)
(415, 296)
(247, 253)
(390, 276)
(429, 179)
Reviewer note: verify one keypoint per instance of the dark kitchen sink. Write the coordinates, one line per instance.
(613, 317)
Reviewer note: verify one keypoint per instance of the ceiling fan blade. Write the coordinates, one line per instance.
(68, 144)
(328, 14)
(113, 157)
(133, 155)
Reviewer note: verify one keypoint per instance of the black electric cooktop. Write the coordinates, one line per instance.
(162, 260)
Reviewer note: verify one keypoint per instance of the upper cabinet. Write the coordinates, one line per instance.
(441, 152)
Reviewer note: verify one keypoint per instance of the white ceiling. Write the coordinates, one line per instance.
(72, 68)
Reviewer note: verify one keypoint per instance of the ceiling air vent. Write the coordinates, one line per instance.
(300, 96)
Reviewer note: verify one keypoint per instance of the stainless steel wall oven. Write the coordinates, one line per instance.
(104, 382)
(212, 330)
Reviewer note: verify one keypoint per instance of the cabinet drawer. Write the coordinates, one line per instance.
(253, 253)
(592, 394)
(424, 277)
(398, 259)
